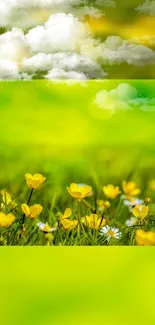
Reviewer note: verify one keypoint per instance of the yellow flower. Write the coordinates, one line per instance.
(93, 221)
(79, 191)
(33, 211)
(140, 211)
(6, 220)
(34, 181)
(147, 199)
(6, 197)
(130, 189)
(103, 204)
(66, 223)
(66, 214)
(111, 191)
(69, 224)
(145, 238)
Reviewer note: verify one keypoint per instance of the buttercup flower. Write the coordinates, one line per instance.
(111, 191)
(45, 227)
(93, 221)
(79, 191)
(103, 205)
(66, 214)
(130, 189)
(83, 185)
(66, 223)
(147, 200)
(69, 224)
(145, 238)
(33, 211)
(34, 181)
(6, 220)
(131, 222)
(6, 199)
(111, 232)
(140, 211)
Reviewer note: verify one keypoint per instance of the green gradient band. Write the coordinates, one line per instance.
(79, 286)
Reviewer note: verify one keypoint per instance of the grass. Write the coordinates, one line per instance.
(49, 128)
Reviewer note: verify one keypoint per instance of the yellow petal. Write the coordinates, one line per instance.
(144, 212)
(136, 212)
(35, 210)
(25, 209)
(76, 195)
(67, 213)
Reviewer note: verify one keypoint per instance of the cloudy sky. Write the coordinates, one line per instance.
(122, 97)
(77, 39)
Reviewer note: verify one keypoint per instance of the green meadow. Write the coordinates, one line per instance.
(54, 128)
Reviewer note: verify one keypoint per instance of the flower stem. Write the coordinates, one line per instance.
(29, 199)
(88, 205)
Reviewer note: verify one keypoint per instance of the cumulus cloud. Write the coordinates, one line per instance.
(65, 62)
(61, 74)
(148, 7)
(64, 46)
(124, 97)
(28, 13)
(116, 51)
(61, 43)
(60, 33)
(9, 70)
(13, 45)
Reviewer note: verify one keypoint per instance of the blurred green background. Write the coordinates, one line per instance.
(79, 286)
(53, 128)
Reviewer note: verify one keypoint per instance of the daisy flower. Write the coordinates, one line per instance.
(131, 222)
(45, 227)
(111, 232)
(132, 202)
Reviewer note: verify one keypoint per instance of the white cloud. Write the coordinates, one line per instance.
(60, 33)
(66, 43)
(28, 13)
(116, 51)
(124, 97)
(63, 42)
(90, 11)
(65, 61)
(9, 70)
(61, 74)
(148, 7)
(12, 45)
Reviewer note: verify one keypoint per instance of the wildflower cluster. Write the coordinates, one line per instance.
(115, 217)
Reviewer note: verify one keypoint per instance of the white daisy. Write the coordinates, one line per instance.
(111, 232)
(45, 227)
(131, 222)
(133, 202)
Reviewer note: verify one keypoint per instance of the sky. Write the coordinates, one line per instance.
(77, 39)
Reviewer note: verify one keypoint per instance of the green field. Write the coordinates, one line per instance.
(56, 129)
